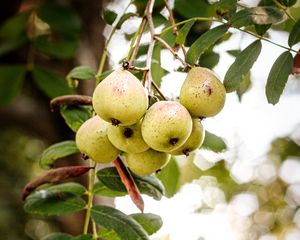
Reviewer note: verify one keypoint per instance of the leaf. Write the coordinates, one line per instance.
(11, 77)
(109, 17)
(125, 17)
(278, 77)
(10, 45)
(192, 8)
(213, 142)
(49, 82)
(287, 3)
(81, 73)
(15, 26)
(183, 32)
(105, 74)
(75, 116)
(49, 203)
(244, 85)
(262, 29)
(150, 222)
(223, 7)
(106, 234)
(125, 226)
(71, 187)
(294, 36)
(147, 185)
(169, 176)
(209, 59)
(101, 190)
(241, 66)
(156, 70)
(56, 151)
(203, 42)
(58, 236)
(83, 237)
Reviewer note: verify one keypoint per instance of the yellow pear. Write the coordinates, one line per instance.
(127, 138)
(120, 98)
(194, 141)
(92, 140)
(202, 93)
(166, 126)
(146, 163)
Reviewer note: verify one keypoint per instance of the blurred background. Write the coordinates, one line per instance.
(243, 184)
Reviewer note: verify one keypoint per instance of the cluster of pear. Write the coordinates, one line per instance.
(148, 136)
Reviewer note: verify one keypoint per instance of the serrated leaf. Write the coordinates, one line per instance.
(58, 236)
(294, 36)
(70, 187)
(109, 17)
(11, 78)
(81, 73)
(125, 17)
(244, 85)
(183, 32)
(147, 185)
(213, 142)
(169, 176)
(125, 226)
(203, 42)
(56, 151)
(278, 77)
(149, 221)
(49, 82)
(101, 190)
(241, 66)
(50, 203)
(76, 116)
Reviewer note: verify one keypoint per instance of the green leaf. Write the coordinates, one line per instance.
(150, 222)
(169, 176)
(125, 226)
(14, 27)
(213, 142)
(10, 45)
(11, 78)
(209, 59)
(83, 237)
(241, 18)
(241, 66)
(156, 70)
(50, 203)
(262, 29)
(71, 187)
(58, 236)
(106, 234)
(244, 85)
(56, 151)
(294, 36)
(278, 77)
(81, 73)
(287, 3)
(75, 116)
(109, 17)
(101, 190)
(125, 17)
(183, 32)
(192, 8)
(50, 83)
(147, 185)
(223, 7)
(203, 42)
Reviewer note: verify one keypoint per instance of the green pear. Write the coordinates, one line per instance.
(120, 98)
(146, 163)
(92, 140)
(127, 138)
(194, 141)
(202, 93)
(166, 126)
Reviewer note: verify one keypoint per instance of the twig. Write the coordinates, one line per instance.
(166, 45)
(158, 90)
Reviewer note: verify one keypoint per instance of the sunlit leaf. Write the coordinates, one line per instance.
(101, 190)
(149, 221)
(244, 85)
(213, 142)
(81, 73)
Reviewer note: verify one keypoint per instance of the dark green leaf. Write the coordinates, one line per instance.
(10, 45)
(241, 66)
(101, 190)
(147, 185)
(294, 36)
(183, 32)
(285, 147)
(169, 176)
(14, 27)
(110, 17)
(71, 187)
(81, 73)
(209, 59)
(225, 6)
(56, 151)
(75, 116)
(50, 83)
(106, 234)
(278, 77)
(11, 78)
(125, 226)
(58, 236)
(143, 49)
(156, 70)
(150, 222)
(125, 17)
(287, 3)
(192, 8)
(262, 29)
(241, 18)
(213, 142)
(244, 85)
(169, 37)
(203, 42)
(49, 203)
(83, 237)
(234, 52)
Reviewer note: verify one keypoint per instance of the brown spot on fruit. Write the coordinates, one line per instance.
(128, 132)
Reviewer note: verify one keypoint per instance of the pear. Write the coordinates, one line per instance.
(120, 98)
(194, 141)
(127, 138)
(92, 140)
(146, 163)
(202, 93)
(166, 126)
